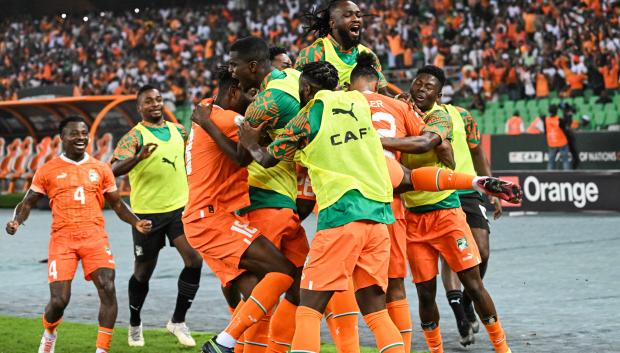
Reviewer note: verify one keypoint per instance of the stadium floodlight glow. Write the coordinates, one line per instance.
(136, 10)
(85, 18)
(63, 15)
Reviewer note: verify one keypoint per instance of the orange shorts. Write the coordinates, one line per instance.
(437, 232)
(221, 239)
(67, 247)
(360, 250)
(283, 228)
(398, 249)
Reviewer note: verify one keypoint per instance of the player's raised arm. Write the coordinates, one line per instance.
(22, 211)
(125, 214)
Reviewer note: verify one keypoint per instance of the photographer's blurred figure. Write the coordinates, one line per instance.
(557, 141)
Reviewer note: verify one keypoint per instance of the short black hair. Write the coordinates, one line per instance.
(70, 119)
(553, 109)
(322, 74)
(365, 67)
(435, 71)
(225, 79)
(144, 89)
(251, 49)
(275, 51)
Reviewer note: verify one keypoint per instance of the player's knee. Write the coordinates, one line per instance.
(484, 254)
(395, 290)
(107, 288)
(426, 297)
(59, 302)
(195, 261)
(474, 289)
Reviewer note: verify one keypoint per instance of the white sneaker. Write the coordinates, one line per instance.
(182, 332)
(135, 337)
(48, 342)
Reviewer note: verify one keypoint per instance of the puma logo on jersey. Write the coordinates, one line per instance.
(61, 176)
(166, 160)
(344, 112)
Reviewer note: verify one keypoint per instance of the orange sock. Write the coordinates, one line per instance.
(264, 296)
(386, 334)
(240, 345)
(401, 317)
(51, 327)
(240, 342)
(438, 179)
(498, 337)
(343, 321)
(282, 327)
(307, 337)
(256, 337)
(104, 338)
(433, 340)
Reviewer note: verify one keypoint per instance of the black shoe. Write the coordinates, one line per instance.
(471, 317)
(211, 346)
(466, 332)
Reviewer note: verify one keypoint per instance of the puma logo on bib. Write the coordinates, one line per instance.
(344, 112)
(166, 160)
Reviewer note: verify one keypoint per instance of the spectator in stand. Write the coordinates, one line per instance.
(610, 73)
(556, 139)
(115, 53)
(514, 125)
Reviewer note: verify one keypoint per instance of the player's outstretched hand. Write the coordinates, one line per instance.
(505, 190)
(144, 226)
(146, 150)
(11, 227)
(250, 136)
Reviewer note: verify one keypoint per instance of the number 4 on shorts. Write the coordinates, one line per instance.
(52, 270)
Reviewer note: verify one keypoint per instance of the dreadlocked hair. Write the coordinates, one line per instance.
(322, 74)
(318, 20)
(365, 66)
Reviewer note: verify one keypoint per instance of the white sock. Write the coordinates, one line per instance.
(49, 335)
(99, 350)
(475, 186)
(226, 340)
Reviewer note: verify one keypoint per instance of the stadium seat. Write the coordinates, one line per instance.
(20, 166)
(2, 148)
(55, 148)
(7, 163)
(104, 147)
(42, 151)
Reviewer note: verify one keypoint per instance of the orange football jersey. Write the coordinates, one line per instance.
(75, 190)
(392, 118)
(216, 183)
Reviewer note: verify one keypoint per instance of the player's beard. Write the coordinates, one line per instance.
(345, 35)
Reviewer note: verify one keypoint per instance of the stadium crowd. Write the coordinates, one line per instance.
(517, 48)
